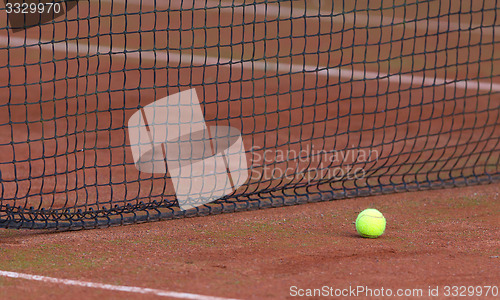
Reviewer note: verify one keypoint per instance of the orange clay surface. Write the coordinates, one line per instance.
(436, 238)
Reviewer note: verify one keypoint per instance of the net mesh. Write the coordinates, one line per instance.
(333, 99)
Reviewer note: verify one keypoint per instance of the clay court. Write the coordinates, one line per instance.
(412, 86)
(439, 238)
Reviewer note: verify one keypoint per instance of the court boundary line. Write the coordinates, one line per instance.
(364, 19)
(110, 287)
(178, 58)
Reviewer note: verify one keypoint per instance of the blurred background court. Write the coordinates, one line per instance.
(416, 83)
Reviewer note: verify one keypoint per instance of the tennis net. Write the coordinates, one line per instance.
(329, 99)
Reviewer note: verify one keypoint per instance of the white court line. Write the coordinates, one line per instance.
(177, 58)
(358, 19)
(109, 287)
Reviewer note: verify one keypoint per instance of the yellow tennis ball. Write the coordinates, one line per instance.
(370, 223)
